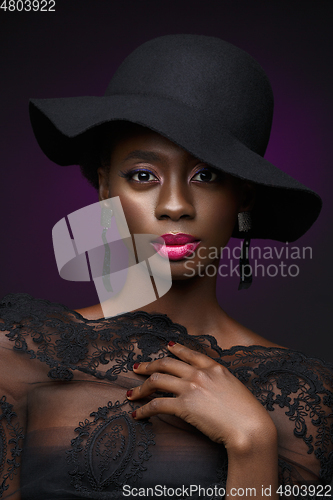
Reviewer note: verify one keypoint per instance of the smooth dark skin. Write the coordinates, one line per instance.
(176, 198)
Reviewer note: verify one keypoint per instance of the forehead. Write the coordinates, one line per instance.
(124, 143)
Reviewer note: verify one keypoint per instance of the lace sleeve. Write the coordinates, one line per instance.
(11, 440)
(12, 420)
(297, 393)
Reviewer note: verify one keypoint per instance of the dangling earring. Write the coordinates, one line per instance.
(106, 216)
(244, 226)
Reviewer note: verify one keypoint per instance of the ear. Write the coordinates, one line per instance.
(248, 197)
(103, 180)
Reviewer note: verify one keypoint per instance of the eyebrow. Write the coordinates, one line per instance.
(138, 154)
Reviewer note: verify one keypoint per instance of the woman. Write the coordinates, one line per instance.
(179, 138)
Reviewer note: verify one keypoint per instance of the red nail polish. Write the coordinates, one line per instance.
(134, 414)
(129, 393)
(136, 366)
(171, 343)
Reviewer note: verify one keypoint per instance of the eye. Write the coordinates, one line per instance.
(205, 175)
(139, 175)
(143, 176)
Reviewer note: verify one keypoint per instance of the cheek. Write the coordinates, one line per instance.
(138, 208)
(221, 218)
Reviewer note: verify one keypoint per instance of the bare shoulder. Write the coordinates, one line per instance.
(234, 333)
(91, 312)
(255, 339)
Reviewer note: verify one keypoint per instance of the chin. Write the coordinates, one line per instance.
(179, 271)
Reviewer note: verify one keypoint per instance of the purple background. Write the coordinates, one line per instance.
(75, 51)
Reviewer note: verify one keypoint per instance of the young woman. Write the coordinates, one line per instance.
(175, 398)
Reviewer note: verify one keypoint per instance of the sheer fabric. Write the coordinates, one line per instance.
(66, 430)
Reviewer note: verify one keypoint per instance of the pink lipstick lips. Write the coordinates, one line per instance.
(177, 246)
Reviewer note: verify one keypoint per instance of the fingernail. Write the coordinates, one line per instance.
(129, 393)
(134, 414)
(171, 343)
(136, 366)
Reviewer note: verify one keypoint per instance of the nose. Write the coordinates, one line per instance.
(175, 201)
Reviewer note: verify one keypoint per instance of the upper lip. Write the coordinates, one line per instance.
(178, 238)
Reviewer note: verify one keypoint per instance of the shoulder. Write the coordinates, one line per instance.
(23, 316)
(232, 333)
(34, 335)
(285, 379)
(17, 306)
(248, 348)
(91, 313)
(275, 362)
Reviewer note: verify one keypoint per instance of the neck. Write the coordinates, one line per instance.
(189, 302)
(192, 303)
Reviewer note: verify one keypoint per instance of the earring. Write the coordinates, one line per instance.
(244, 222)
(106, 216)
(245, 270)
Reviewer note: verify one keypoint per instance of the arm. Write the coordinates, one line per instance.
(210, 398)
(253, 465)
(12, 417)
(15, 376)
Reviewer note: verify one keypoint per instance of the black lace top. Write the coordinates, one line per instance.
(66, 430)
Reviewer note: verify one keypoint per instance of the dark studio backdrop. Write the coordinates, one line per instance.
(75, 50)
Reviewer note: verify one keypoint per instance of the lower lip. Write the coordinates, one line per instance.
(176, 252)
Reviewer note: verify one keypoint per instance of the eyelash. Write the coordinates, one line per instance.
(208, 170)
(129, 174)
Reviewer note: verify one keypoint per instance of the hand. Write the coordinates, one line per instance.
(208, 397)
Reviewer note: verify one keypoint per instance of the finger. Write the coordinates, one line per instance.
(193, 358)
(167, 406)
(157, 382)
(168, 365)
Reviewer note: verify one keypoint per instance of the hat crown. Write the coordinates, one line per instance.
(205, 73)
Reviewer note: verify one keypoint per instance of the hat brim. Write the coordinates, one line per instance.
(284, 210)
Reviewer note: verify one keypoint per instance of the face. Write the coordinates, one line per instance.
(166, 191)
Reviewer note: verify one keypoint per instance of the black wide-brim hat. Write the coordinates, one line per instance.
(205, 95)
